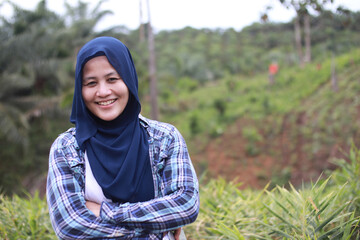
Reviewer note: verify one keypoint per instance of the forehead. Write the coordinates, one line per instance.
(97, 61)
(98, 64)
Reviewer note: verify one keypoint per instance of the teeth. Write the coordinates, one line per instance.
(106, 102)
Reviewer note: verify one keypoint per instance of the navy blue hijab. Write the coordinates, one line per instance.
(117, 150)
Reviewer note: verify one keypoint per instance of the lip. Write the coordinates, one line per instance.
(106, 103)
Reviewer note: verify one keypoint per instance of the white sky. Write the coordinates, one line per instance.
(177, 14)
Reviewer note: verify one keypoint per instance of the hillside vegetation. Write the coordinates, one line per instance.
(284, 132)
(212, 85)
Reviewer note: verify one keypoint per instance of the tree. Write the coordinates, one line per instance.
(24, 70)
(141, 28)
(83, 18)
(152, 68)
(302, 8)
(37, 47)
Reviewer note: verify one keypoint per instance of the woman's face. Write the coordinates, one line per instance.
(104, 92)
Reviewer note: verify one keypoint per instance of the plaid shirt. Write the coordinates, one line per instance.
(176, 201)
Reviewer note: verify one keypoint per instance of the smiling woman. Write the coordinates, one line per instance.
(117, 174)
(104, 92)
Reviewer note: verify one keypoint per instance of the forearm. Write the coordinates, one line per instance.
(155, 216)
(93, 207)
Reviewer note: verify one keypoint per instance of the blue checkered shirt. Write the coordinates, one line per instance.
(176, 201)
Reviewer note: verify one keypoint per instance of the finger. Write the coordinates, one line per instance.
(177, 234)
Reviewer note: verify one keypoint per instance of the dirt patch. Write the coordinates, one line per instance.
(286, 153)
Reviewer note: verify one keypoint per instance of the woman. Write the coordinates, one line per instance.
(117, 175)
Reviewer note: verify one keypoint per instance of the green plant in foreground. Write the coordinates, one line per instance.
(226, 212)
(24, 218)
(318, 211)
(311, 213)
(348, 173)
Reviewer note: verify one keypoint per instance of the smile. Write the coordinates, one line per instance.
(106, 102)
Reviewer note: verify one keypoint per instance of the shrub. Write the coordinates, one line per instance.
(220, 106)
(25, 218)
(348, 174)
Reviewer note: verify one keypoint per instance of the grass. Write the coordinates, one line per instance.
(24, 218)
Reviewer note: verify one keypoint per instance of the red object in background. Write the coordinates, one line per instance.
(273, 68)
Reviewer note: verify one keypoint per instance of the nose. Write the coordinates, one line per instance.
(103, 90)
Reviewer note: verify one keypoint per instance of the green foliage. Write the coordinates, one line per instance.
(300, 108)
(36, 60)
(194, 124)
(251, 134)
(281, 176)
(226, 211)
(348, 174)
(187, 84)
(220, 106)
(25, 218)
(319, 211)
(309, 213)
(253, 137)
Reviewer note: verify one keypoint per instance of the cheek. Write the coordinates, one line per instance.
(86, 95)
(124, 91)
(127, 93)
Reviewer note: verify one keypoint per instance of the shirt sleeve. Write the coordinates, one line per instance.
(179, 205)
(68, 213)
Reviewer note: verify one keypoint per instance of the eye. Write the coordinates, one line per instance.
(89, 83)
(113, 79)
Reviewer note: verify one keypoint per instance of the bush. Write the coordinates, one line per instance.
(348, 174)
(25, 218)
(220, 106)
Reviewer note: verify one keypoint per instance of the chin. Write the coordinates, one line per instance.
(108, 119)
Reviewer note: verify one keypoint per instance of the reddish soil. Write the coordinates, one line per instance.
(281, 157)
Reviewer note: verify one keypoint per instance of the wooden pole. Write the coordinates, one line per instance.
(152, 69)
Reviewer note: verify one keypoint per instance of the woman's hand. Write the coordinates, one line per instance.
(176, 234)
(94, 207)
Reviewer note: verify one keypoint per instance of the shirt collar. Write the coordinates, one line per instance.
(145, 123)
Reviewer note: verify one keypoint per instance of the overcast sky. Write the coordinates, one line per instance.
(177, 14)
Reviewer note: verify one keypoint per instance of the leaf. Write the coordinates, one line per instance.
(329, 219)
(281, 218)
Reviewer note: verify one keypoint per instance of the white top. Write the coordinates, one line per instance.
(93, 191)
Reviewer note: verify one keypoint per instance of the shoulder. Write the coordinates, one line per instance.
(65, 140)
(65, 149)
(159, 130)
